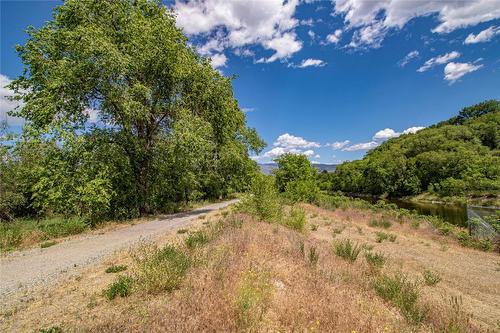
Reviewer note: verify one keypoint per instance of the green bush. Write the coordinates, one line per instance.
(376, 260)
(48, 244)
(296, 219)
(121, 287)
(263, 200)
(382, 236)
(401, 292)
(347, 249)
(160, 269)
(302, 191)
(116, 268)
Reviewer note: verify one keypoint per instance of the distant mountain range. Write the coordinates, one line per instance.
(267, 168)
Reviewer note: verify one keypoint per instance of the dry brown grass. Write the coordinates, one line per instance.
(257, 277)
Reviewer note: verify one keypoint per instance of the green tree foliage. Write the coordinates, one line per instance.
(296, 177)
(460, 156)
(169, 129)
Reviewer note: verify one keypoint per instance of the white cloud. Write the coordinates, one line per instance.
(442, 59)
(413, 130)
(409, 57)
(311, 34)
(92, 115)
(377, 139)
(267, 23)
(246, 110)
(290, 141)
(284, 45)
(455, 70)
(374, 19)
(484, 36)
(338, 144)
(7, 105)
(311, 63)
(218, 60)
(334, 38)
(385, 134)
(362, 146)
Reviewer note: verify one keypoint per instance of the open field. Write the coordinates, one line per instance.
(247, 275)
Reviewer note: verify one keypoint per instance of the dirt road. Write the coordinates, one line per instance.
(24, 269)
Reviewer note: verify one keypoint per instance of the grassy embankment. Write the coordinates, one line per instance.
(342, 268)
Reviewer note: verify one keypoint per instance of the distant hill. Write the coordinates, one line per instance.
(267, 168)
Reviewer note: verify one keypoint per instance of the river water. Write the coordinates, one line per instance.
(455, 214)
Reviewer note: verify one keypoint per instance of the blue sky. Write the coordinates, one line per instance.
(327, 79)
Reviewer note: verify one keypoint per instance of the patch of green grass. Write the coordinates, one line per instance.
(380, 223)
(382, 236)
(196, 239)
(47, 244)
(253, 297)
(160, 269)
(121, 287)
(182, 231)
(347, 249)
(402, 293)
(375, 260)
(431, 278)
(115, 268)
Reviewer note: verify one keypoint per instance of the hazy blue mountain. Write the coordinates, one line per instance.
(267, 168)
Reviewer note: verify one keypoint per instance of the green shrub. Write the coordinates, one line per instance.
(296, 219)
(402, 293)
(11, 235)
(376, 260)
(116, 268)
(347, 249)
(431, 278)
(382, 236)
(48, 244)
(302, 191)
(196, 239)
(380, 223)
(121, 287)
(160, 269)
(263, 200)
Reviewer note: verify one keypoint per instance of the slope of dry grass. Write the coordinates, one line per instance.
(258, 277)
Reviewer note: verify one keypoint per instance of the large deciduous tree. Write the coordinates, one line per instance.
(126, 61)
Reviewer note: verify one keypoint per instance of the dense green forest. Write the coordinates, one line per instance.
(457, 157)
(123, 118)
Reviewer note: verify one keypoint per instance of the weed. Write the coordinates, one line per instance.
(415, 224)
(359, 229)
(382, 236)
(338, 231)
(431, 278)
(182, 231)
(348, 250)
(401, 292)
(253, 296)
(121, 287)
(314, 227)
(380, 223)
(376, 260)
(313, 256)
(201, 217)
(301, 248)
(367, 247)
(160, 269)
(458, 320)
(48, 244)
(115, 268)
(196, 239)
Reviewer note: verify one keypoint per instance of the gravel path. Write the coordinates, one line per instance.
(29, 268)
